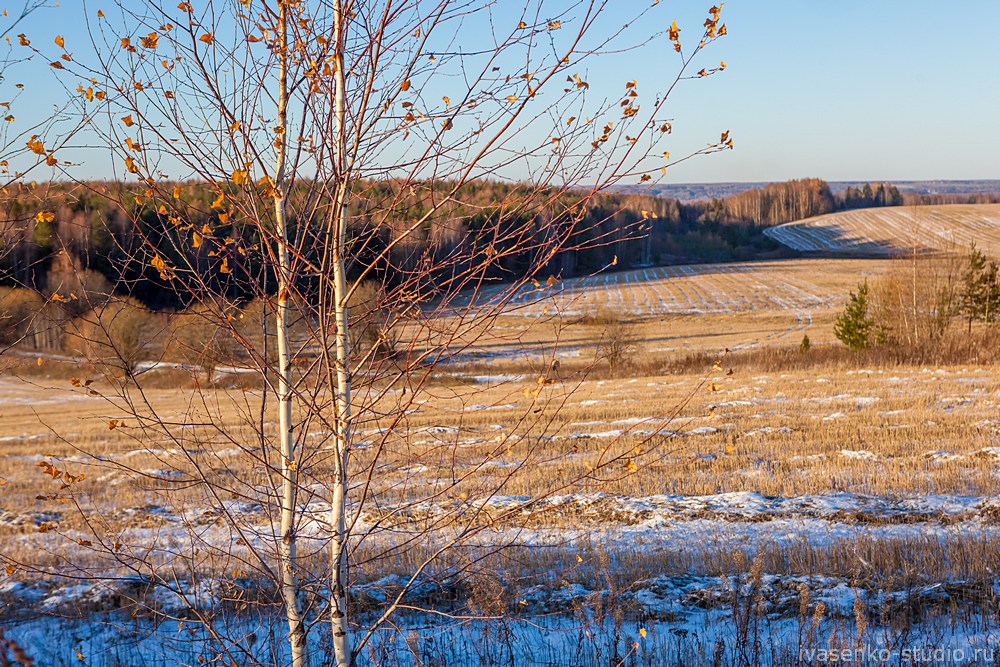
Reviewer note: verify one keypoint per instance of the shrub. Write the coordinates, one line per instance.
(27, 319)
(120, 333)
(617, 343)
(203, 337)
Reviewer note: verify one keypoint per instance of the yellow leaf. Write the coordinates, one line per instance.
(208, 38)
(674, 33)
(36, 147)
(128, 120)
(177, 192)
(225, 266)
(100, 14)
(241, 177)
(60, 42)
(642, 631)
(150, 41)
(51, 160)
(512, 98)
(131, 166)
(196, 239)
(45, 216)
(405, 86)
(24, 41)
(39, 361)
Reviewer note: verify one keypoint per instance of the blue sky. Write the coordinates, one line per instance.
(836, 89)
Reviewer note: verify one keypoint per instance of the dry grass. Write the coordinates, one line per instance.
(777, 434)
(782, 424)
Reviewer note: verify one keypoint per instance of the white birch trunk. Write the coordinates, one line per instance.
(338, 506)
(289, 470)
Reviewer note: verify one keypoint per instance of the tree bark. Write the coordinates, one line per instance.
(342, 419)
(287, 552)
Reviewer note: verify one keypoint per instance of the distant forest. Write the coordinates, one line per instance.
(689, 192)
(93, 241)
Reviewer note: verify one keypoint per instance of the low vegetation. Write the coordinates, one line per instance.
(917, 305)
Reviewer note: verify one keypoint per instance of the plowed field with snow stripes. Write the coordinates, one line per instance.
(703, 288)
(895, 230)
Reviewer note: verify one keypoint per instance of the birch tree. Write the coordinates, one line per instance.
(344, 143)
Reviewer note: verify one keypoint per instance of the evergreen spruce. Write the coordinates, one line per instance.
(854, 327)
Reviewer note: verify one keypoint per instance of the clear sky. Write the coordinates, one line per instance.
(836, 89)
(854, 90)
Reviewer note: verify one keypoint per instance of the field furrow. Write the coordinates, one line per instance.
(896, 230)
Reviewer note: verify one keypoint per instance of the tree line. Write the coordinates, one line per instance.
(84, 239)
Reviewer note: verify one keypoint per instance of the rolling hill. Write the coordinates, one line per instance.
(896, 230)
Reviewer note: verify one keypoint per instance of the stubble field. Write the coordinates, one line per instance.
(724, 510)
(896, 230)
